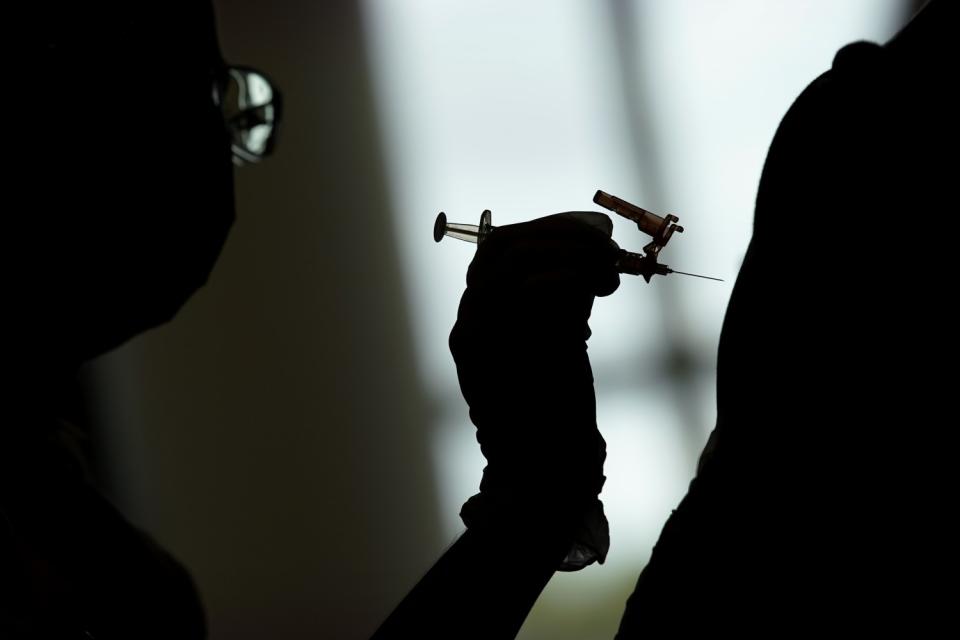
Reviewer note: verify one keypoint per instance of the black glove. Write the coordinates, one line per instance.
(520, 348)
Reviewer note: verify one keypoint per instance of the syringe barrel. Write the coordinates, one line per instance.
(468, 232)
(649, 223)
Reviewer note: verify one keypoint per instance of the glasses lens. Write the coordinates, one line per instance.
(251, 109)
(259, 91)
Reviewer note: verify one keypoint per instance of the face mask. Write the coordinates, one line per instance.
(125, 178)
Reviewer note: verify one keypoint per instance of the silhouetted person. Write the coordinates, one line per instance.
(122, 146)
(823, 498)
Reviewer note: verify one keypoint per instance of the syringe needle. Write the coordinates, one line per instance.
(695, 275)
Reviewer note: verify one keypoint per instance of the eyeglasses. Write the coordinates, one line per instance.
(252, 107)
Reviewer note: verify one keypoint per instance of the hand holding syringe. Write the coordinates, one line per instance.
(519, 344)
(646, 265)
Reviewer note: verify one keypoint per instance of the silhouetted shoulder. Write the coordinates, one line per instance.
(859, 57)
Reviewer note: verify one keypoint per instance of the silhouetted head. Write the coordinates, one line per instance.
(124, 172)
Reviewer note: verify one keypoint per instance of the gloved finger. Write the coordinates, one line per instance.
(564, 239)
(575, 246)
(516, 293)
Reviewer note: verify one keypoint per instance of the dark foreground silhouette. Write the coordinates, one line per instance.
(823, 497)
(123, 183)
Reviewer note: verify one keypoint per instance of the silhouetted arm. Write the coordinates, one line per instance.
(520, 348)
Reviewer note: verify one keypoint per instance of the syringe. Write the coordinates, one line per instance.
(630, 263)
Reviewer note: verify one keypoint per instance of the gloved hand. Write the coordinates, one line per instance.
(520, 348)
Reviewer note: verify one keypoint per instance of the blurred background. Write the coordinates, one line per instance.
(296, 435)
